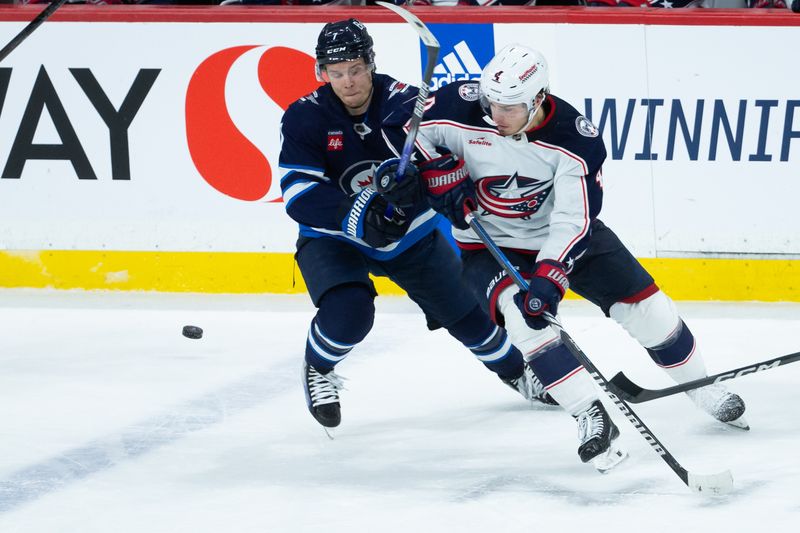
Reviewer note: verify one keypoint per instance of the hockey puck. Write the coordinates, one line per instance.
(192, 332)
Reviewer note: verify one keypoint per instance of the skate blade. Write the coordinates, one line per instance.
(609, 459)
(739, 423)
(330, 432)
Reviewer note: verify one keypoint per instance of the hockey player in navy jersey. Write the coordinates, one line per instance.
(532, 165)
(332, 141)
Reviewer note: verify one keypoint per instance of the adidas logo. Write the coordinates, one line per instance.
(458, 65)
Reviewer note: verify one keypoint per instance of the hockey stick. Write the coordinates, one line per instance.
(432, 48)
(714, 483)
(631, 392)
(32, 25)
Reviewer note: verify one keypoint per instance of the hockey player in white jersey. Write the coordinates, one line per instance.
(531, 164)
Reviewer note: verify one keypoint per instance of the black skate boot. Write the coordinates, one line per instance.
(597, 434)
(530, 387)
(322, 396)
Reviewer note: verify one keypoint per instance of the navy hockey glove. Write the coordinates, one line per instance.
(402, 191)
(545, 290)
(449, 188)
(371, 219)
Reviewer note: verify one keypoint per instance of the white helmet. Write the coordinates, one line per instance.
(516, 75)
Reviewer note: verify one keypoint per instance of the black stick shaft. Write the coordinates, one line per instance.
(432, 48)
(630, 391)
(715, 483)
(32, 25)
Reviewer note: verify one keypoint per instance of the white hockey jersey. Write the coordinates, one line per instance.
(538, 190)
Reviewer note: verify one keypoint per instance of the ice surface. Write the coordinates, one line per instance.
(111, 421)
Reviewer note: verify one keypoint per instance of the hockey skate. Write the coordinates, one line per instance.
(598, 434)
(529, 386)
(322, 397)
(720, 403)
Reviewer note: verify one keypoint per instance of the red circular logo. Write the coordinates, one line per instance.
(222, 154)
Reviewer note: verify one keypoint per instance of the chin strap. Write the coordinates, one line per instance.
(531, 115)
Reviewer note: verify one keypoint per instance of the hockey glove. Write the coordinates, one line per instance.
(546, 289)
(402, 191)
(449, 188)
(371, 219)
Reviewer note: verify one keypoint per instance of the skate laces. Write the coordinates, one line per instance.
(710, 398)
(720, 403)
(323, 388)
(535, 386)
(590, 424)
(525, 384)
(529, 386)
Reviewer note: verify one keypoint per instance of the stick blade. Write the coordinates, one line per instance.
(424, 33)
(712, 484)
(625, 388)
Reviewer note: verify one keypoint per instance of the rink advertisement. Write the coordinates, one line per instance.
(144, 166)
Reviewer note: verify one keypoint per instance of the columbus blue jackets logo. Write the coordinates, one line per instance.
(512, 196)
(469, 92)
(586, 128)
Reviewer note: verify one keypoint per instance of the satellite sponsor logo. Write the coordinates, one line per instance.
(480, 141)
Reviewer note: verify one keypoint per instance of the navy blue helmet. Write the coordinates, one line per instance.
(346, 40)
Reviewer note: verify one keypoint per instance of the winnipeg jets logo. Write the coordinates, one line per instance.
(512, 196)
(359, 176)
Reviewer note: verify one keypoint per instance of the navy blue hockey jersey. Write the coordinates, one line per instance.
(328, 156)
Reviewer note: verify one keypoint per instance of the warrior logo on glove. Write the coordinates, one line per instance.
(450, 189)
(546, 288)
(441, 183)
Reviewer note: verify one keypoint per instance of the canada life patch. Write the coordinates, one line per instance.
(469, 92)
(335, 141)
(586, 128)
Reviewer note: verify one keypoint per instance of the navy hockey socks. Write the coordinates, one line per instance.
(676, 349)
(489, 343)
(554, 365)
(345, 316)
